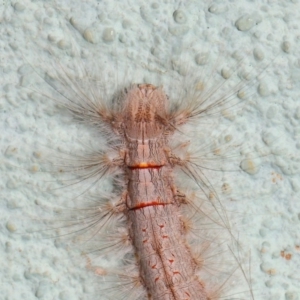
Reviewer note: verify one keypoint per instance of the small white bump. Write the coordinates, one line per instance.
(249, 166)
(179, 16)
(247, 21)
(108, 35)
(202, 58)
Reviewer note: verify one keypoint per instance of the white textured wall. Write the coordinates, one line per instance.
(140, 39)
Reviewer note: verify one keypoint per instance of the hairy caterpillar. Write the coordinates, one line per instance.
(142, 110)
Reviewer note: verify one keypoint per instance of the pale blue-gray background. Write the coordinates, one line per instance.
(145, 40)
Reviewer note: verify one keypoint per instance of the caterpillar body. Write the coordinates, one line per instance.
(153, 216)
(151, 201)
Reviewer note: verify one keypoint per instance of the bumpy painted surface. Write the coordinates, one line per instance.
(267, 203)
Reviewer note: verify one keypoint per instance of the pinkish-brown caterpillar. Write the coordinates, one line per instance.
(147, 215)
(149, 199)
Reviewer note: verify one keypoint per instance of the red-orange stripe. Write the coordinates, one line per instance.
(145, 204)
(145, 166)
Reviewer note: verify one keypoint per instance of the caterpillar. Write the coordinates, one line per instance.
(150, 225)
